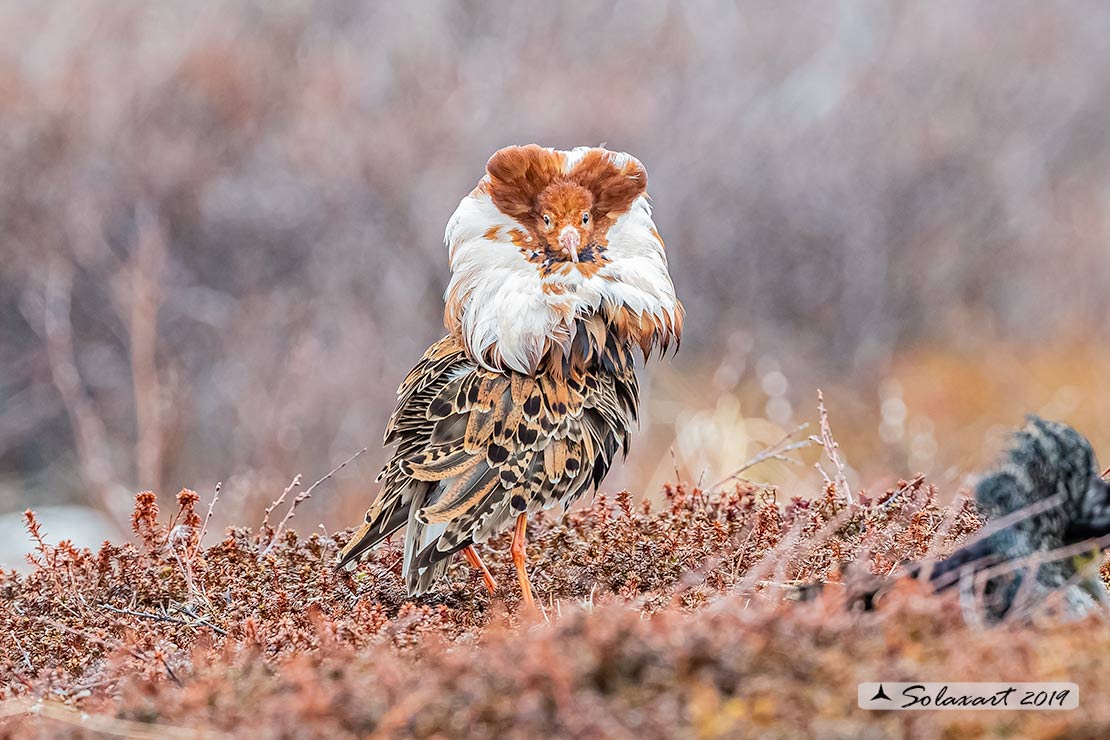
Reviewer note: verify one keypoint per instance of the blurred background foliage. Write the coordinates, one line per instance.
(221, 227)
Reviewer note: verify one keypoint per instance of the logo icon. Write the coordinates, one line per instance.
(880, 694)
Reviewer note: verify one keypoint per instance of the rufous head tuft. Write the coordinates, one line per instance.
(550, 237)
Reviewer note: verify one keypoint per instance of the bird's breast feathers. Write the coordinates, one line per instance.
(514, 296)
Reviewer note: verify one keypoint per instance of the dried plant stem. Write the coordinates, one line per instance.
(207, 518)
(303, 496)
(295, 483)
(777, 451)
(993, 526)
(832, 451)
(928, 563)
(138, 655)
(909, 485)
(201, 621)
(23, 650)
(1039, 558)
(770, 560)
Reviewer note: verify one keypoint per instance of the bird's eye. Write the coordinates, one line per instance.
(546, 220)
(585, 217)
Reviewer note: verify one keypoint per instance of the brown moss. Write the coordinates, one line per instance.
(662, 621)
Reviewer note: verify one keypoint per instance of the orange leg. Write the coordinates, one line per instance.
(519, 561)
(471, 556)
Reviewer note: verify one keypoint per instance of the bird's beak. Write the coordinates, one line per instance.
(570, 241)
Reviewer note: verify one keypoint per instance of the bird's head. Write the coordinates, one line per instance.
(565, 221)
(565, 203)
(551, 236)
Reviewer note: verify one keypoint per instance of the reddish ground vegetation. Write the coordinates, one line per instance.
(665, 621)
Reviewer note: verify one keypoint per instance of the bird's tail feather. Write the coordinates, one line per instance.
(372, 532)
(417, 537)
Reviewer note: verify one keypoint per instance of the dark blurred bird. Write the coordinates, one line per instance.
(1047, 508)
(557, 275)
(1050, 469)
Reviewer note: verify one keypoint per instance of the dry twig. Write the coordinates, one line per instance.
(777, 451)
(832, 451)
(295, 483)
(917, 480)
(302, 496)
(198, 620)
(207, 518)
(993, 526)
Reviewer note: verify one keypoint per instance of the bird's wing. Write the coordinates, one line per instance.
(528, 443)
(411, 431)
(475, 447)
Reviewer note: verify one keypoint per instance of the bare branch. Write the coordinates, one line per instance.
(917, 480)
(303, 496)
(777, 451)
(188, 611)
(295, 483)
(198, 620)
(993, 526)
(138, 655)
(1041, 557)
(208, 517)
(832, 451)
